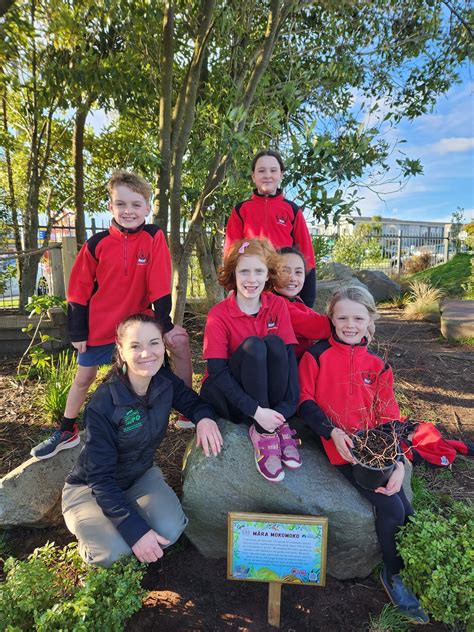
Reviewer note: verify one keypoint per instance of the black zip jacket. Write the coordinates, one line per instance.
(123, 431)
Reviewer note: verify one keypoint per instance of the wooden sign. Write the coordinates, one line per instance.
(279, 549)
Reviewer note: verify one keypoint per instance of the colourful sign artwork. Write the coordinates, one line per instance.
(277, 548)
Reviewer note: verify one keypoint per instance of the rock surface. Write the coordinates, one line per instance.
(325, 289)
(230, 482)
(30, 495)
(457, 319)
(379, 284)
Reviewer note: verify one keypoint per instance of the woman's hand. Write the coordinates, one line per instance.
(169, 337)
(268, 418)
(343, 442)
(395, 482)
(80, 346)
(148, 547)
(208, 436)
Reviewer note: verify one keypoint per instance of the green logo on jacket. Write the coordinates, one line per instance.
(132, 420)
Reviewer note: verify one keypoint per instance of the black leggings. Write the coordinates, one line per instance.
(391, 512)
(260, 366)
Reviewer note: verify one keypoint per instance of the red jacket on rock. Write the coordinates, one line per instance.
(281, 222)
(118, 273)
(344, 386)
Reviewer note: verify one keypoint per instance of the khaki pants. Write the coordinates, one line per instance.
(99, 541)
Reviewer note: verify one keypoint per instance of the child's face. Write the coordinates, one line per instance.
(293, 275)
(128, 208)
(267, 175)
(142, 349)
(350, 320)
(251, 274)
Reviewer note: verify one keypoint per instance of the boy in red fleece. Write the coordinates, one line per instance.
(118, 272)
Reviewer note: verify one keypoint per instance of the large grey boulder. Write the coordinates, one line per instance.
(325, 289)
(457, 319)
(379, 284)
(230, 482)
(30, 495)
(334, 271)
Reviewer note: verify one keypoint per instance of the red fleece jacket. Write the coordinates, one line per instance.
(351, 387)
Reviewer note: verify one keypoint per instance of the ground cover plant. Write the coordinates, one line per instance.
(450, 276)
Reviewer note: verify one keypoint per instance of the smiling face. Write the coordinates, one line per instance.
(267, 175)
(350, 320)
(251, 274)
(293, 275)
(141, 348)
(128, 207)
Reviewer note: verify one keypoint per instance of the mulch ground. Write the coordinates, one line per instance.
(188, 592)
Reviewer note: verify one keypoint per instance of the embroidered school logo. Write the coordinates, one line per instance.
(132, 420)
(272, 322)
(368, 378)
(281, 219)
(142, 258)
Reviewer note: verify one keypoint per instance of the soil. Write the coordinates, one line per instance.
(188, 592)
(375, 448)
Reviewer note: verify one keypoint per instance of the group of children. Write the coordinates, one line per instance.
(263, 365)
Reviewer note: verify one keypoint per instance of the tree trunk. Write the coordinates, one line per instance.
(214, 291)
(78, 162)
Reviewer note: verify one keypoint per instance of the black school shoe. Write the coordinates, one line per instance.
(403, 599)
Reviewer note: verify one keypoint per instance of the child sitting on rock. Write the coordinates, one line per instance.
(345, 389)
(251, 366)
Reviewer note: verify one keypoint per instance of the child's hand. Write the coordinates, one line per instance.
(208, 436)
(343, 442)
(169, 337)
(80, 346)
(395, 482)
(268, 418)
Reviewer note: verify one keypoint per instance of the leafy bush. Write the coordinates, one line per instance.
(418, 263)
(55, 590)
(322, 247)
(423, 300)
(59, 379)
(436, 547)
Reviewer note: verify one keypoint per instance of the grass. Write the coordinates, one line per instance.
(389, 620)
(423, 300)
(449, 277)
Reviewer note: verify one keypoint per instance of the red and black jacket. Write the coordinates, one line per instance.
(344, 386)
(280, 221)
(117, 273)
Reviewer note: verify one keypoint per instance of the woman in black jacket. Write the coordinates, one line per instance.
(115, 500)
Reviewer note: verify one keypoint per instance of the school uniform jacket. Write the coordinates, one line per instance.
(307, 324)
(123, 432)
(227, 326)
(117, 273)
(282, 222)
(344, 386)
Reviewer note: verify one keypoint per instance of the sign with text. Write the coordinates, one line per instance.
(277, 548)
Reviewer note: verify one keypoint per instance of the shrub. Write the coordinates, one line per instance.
(59, 379)
(55, 590)
(418, 263)
(437, 552)
(423, 300)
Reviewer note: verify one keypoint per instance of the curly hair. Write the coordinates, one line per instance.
(357, 294)
(131, 180)
(260, 248)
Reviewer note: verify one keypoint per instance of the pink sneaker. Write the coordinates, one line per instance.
(289, 452)
(267, 455)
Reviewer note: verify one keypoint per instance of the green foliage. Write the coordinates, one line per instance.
(59, 378)
(349, 250)
(449, 276)
(436, 547)
(389, 620)
(322, 247)
(55, 590)
(363, 247)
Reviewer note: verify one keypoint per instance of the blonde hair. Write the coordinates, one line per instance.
(357, 294)
(260, 248)
(131, 180)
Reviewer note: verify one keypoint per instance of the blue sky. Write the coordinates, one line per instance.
(444, 142)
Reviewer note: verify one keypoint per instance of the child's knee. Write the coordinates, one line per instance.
(85, 377)
(254, 346)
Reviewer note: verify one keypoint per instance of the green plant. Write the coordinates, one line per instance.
(423, 300)
(322, 247)
(450, 276)
(55, 590)
(437, 552)
(389, 620)
(59, 379)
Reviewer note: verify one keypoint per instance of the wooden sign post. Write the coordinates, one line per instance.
(278, 549)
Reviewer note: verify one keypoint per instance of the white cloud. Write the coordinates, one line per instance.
(453, 145)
